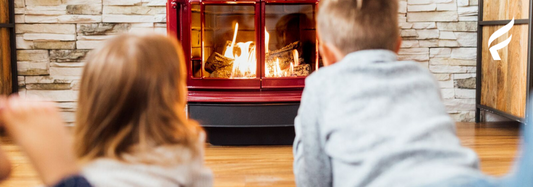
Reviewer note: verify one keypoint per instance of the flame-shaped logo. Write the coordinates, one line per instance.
(494, 49)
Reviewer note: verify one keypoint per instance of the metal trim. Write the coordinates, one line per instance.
(529, 86)
(478, 60)
(13, 46)
(501, 113)
(501, 22)
(7, 25)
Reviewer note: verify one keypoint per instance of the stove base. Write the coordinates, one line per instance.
(246, 123)
(250, 136)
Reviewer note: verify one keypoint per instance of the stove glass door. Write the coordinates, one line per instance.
(225, 46)
(290, 40)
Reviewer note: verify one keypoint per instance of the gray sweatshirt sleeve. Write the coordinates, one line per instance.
(312, 166)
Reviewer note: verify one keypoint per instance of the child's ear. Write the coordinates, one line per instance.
(330, 54)
(398, 45)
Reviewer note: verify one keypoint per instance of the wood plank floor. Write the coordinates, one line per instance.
(496, 144)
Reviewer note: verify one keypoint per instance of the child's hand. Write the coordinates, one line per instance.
(38, 128)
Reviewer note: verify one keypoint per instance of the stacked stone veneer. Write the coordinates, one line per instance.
(53, 36)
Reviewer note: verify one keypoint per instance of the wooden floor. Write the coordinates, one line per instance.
(496, 144)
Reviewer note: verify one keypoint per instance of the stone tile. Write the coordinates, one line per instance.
(134, 18)
(46, 10)
(432, 16)
(447, 35)
(464, 116)
(466, 39)
(21, 80)
(134, 10)
(62, 37)
(43, 2)
(408, 33)
(467, 11)
(46, 28)
(54, 95)
(451, 61)
(19, 4)
(23, 44)
(33, 55)
(122, 2)
(66, 71)
(103, 28)
(442, 77)
(63, 19)
(422, 8)
(440, 52)
(419, 2)
(60, 86)
(88, 44)
(67, 55)
(448, 43)
(467, 83)
(429, 43)
(460, 104)
(446, 7)
(32, 68)
(447, 93)
(464, 53)
(424, 25)
(463, 3)
(54, 45)
(428, 34)
(410, 44)
(468, 18)
(451, 69)
(90, 9)
(448, 84)
(465, 93)
(20, 19)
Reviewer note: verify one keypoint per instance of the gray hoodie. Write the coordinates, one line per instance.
(370, 120)
(179, 169)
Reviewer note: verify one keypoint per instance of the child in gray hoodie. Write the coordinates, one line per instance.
(368, 119)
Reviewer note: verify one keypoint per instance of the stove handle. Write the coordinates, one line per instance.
(175, 3)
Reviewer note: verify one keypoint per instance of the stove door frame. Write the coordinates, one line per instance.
(179, 18)
(283, 82)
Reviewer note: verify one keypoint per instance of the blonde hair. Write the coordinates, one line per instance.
(132, 98)
(353, 25)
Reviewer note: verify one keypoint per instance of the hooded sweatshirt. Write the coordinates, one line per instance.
(371, 120)
(179, 170)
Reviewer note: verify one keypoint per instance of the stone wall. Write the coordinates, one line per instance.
(53, 36)
(441, 34)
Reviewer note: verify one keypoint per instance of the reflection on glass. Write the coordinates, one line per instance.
(229, 46)
(290, 40)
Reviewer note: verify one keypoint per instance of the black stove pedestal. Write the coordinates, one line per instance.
(246, 124)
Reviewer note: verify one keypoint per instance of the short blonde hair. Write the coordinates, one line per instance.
(353, 25)
(132, 97)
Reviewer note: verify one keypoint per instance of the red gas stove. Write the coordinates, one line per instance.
(247, 61)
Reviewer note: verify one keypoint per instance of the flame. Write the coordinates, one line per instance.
(229, 50)
(245, 63)
(277, 69)
(291, 70)
(273, 68)
(296, 57)
(267, 39)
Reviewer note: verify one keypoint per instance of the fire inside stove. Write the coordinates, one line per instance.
(229, 49)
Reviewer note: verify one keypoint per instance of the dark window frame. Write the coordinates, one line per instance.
(13, 45)
(479, 75)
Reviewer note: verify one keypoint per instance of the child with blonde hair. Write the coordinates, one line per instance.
(368, 119)
(131, 128)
